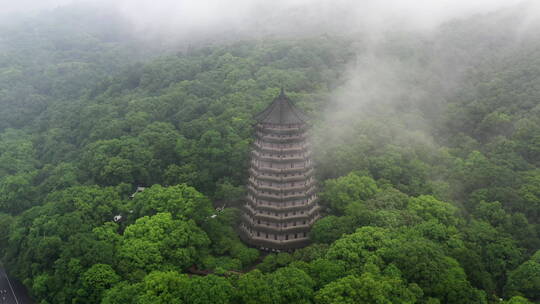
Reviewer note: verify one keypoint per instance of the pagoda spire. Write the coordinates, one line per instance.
(281, 111)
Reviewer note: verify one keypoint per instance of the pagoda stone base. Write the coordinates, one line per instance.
(272, 245)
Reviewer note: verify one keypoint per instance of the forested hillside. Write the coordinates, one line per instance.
(431, 194)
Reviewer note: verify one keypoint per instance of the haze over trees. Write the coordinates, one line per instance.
(427, 150)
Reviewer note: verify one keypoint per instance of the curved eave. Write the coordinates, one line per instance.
(281, 111)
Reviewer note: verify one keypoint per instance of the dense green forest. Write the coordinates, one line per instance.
(432, 199)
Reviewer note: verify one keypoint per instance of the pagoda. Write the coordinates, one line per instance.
(281, 204)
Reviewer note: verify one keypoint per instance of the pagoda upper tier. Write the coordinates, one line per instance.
(282, 112)
(281, 205)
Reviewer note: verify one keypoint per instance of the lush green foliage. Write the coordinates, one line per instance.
(445, 214)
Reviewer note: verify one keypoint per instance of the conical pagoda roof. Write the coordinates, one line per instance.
(281, 111)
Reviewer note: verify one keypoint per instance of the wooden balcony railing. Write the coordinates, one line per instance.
(282, 177)
(284, 187)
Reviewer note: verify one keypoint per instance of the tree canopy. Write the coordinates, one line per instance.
(123, 167)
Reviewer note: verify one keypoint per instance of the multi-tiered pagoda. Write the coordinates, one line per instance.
(281, 204)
